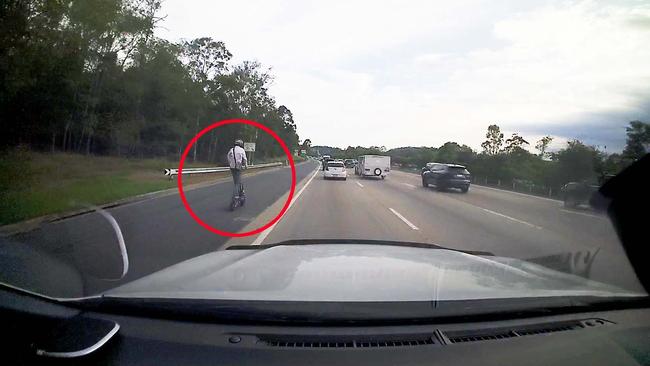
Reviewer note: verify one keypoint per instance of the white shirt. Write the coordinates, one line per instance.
(237, 158)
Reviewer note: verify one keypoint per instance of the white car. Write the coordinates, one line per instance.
(335, 170)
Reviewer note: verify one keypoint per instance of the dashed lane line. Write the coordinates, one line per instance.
(407, 222)
(511, 218)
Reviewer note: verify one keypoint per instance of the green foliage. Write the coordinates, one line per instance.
(452, 152)
(542, 145)
(577, 162)
(515, 143)
(638, 140)
(90, 77)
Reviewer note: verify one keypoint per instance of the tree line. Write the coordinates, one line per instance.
(90, 76)
(508, 160)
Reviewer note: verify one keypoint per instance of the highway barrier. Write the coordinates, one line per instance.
(217, 169)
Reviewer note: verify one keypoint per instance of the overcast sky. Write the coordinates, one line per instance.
(420, 73)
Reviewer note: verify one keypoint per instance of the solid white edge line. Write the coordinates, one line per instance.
(260, 238)
(512, 218)
(407, 222)
(518, 193)
(584, 214)
(359, 184)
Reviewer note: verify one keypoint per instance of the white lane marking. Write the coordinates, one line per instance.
(408, 185)
(511, 218)
(359, 184)
(407, 222)
(260, 238)
(518, 193)
(584, 214)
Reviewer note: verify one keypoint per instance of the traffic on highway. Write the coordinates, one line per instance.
(281, 182)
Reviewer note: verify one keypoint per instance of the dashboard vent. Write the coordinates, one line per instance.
(347, 342)
(550, 329)
(464, 336)
(477, 337)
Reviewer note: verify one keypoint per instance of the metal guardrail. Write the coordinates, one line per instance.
(217, 169)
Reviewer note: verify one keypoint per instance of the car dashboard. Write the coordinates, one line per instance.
(615, 337)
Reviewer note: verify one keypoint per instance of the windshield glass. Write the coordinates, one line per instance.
(142, 139)
(457, 170)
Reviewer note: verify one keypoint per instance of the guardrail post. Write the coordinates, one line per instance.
(550, 191)
(486, 181)
(499, 182)
(513, 185)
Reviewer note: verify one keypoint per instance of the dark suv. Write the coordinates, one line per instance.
(445, 176)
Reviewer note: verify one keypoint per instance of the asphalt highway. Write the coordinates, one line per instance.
(158, 232)
(484, 219)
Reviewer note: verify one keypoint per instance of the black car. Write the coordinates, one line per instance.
(445, 176)
(580, 193)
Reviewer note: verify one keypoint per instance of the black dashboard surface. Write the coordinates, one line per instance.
(620, 337)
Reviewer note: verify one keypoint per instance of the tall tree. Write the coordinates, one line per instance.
(577, 162)
(90, 76)
(306, 145)
(205, 59)
(638, 140)
(542, 145)
(494, 140)
(515, 142)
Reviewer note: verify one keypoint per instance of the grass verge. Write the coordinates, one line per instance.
(36, 184)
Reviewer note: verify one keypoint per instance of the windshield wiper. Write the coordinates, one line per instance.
(356, 242)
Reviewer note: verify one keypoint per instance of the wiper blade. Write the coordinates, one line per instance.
(356, 242)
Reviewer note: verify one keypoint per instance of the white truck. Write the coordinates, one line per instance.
(373, 166)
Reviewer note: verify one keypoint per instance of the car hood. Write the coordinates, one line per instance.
(342, 272)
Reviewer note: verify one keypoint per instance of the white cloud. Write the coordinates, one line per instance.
(430, 59)
(421, 73)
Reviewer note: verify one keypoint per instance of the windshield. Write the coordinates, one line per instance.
(458, 170)
(143, 139)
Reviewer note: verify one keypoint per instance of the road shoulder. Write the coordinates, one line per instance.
(34, 223)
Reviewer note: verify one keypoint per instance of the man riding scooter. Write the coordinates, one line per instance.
(237, 162)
